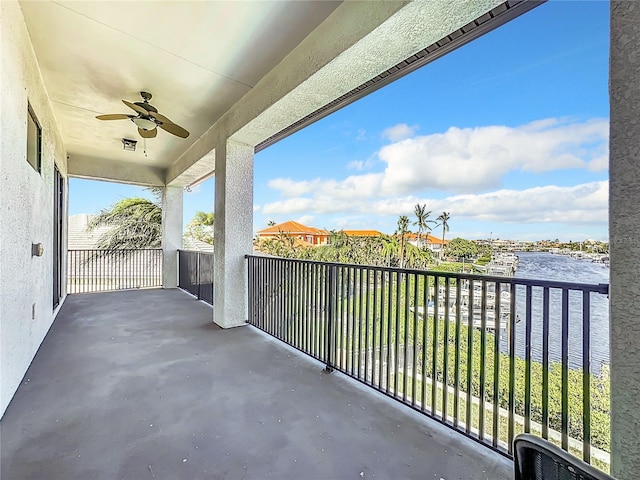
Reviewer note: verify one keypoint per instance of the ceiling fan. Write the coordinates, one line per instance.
(147, 118)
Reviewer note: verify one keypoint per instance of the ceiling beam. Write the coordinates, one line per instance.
(122, 172)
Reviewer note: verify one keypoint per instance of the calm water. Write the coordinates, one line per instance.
(545, 266)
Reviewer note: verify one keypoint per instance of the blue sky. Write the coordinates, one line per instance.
(509, 134)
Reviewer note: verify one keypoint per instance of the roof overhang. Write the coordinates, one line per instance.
(251, 72)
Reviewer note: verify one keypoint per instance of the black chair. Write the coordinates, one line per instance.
(537, 459)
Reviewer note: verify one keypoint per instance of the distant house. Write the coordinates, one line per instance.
(433, 243)
(309, 235)
(190, 243)
(80, 238)
(363, 233)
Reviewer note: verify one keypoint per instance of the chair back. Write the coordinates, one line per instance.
(537, 459)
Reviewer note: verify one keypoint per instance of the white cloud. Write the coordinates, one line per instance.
(306, 219)
(399, 132)
(467, 160)
(599, 164)
(256, 208)
(362, 164)
(585, 203)
(361, 134)
(472, 159)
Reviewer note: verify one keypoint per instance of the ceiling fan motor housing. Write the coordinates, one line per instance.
(147, 119)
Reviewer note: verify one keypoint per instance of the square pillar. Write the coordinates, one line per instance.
(171, 234)
(624, 234)
(233, 232)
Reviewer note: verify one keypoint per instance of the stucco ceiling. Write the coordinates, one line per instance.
(196, 61)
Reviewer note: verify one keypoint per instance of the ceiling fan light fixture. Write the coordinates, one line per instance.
(144, 123)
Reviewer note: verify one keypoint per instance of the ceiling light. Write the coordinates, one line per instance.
(143, 123)
(129, 145)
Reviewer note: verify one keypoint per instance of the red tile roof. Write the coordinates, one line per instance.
(292, 228)
(428, 237)
(363, 233)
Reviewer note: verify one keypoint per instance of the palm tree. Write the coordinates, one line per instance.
(135, 223)
(443, 218)
(390, 248)
(403, 229)
(271, 223)
(422, 221)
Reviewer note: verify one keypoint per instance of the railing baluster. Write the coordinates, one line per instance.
(351, 321)
(362, 319)
(396, 336)
(469, 356)
(405, 326)
(545, 363)
(512, 367)
(434, 348)
(379, 322)
(565, 369)
(483, 354)
(445, 349)
(425, 336)
(414, 366)
(389, 330)
(586, 377)
(456, 373)
(367, 301)
(496, 364)
(527, 358)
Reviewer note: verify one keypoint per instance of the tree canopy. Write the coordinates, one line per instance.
(461, 248)
(201, 227)
(135, 223)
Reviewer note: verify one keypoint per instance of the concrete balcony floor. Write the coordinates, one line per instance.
(142, 385)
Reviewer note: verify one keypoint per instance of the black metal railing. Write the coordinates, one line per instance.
(195, 274)
(106, 270)
(488, 356)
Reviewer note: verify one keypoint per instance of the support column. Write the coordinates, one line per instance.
(233, 232)
(171, 234)
(624, 234)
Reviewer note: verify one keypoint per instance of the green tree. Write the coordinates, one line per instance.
(461, 248)
(403, 229)
(422, 221)
(443, 218)
(201, 227)
(271, 223)
(390, 249)
(134, 223)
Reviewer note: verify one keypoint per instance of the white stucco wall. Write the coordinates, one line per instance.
(26, 204)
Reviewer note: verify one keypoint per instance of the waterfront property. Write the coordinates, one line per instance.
(54, 84)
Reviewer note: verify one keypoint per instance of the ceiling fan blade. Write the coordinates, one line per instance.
(135, 107)
(148, 133)
(114, 116)
(160, 117)
(174, 129)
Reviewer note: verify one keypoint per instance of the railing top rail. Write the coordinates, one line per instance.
(115, 250)
(602, 288)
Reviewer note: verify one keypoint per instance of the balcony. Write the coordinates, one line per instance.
(141, 384)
